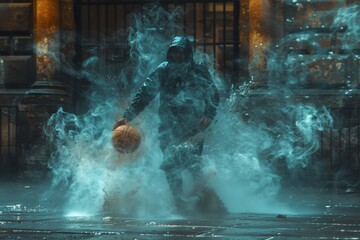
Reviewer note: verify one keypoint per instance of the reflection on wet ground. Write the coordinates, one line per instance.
(316, 214)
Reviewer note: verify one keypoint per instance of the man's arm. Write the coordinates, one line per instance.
(212, 97)
(143, 97)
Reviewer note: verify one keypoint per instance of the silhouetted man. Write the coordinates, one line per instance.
(188, 102)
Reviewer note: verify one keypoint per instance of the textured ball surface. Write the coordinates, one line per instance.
(125, 139)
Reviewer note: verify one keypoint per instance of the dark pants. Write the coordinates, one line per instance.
(180, 156)
(186, 155)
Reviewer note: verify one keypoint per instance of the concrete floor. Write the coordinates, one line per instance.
(321, 214)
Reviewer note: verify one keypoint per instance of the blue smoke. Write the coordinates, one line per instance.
(348, 21)
(253, 133)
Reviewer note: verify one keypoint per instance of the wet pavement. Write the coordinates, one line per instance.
(316, 214)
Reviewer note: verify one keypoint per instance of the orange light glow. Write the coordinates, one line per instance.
(46, 24)
(259, 41)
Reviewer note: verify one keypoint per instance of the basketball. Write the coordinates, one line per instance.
(125, 139)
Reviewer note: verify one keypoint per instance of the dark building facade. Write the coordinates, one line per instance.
(41, 37)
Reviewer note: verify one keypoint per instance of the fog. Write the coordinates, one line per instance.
(251, 147)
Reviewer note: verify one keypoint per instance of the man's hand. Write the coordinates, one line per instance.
(120, 122)
(204, 122)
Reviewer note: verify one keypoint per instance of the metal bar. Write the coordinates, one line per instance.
(204, 26)
(224, 39)
(358, 138)
(115, 10)
(107, 21)
(235, 79)
(349, 138)
(12, 133)
(142, 11)
(1, 139)
(340, 131)
(9, 132)
(7, 136)
(61, 33)
(214, 33)
(125, 17)
(194, 4)
(107, 34)
(176, 29)
(4, 134)
(98, 23)
(17, 142)
(89, 20)
(331, 146)
(78, 32)
(321, 146)
(185, 22)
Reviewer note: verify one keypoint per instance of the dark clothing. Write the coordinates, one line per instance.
(187, 93)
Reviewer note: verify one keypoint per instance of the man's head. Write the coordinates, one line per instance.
(180, 50)
(176, 55)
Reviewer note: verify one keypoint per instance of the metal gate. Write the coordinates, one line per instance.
(8, 140)
(212, 25)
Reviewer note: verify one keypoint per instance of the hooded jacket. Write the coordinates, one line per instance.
(186, 89)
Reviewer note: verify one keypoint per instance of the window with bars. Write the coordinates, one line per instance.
(103, 27)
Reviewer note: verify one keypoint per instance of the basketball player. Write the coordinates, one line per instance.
(188, 102)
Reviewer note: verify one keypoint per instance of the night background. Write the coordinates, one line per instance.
(284, 144)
